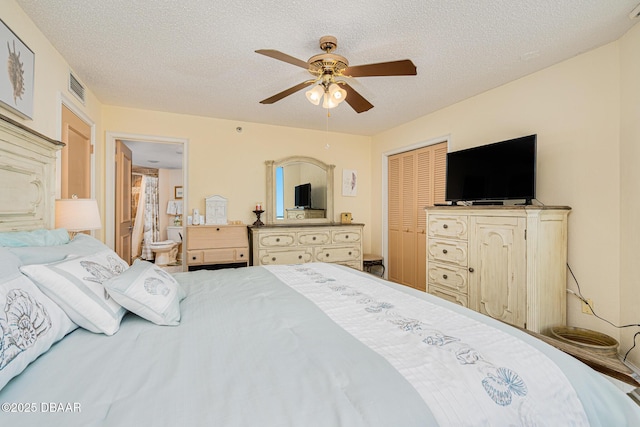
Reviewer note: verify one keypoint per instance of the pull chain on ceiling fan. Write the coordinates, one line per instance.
(327, 67)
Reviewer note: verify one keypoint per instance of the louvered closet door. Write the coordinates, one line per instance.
(416, 180)
(409, 220)
(394, 263)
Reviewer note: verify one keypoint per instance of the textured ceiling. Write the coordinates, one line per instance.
(197, 57)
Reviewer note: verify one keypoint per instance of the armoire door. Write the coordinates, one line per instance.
(497, 268)
(416, 180)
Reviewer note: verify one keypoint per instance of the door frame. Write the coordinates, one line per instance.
(65, 101)
(385, 185)
(110, 176)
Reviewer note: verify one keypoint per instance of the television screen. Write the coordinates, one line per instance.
(303, 196)
(495, 172)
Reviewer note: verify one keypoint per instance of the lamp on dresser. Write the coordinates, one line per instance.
(77, 215)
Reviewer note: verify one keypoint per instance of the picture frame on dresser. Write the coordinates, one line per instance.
(16, 85)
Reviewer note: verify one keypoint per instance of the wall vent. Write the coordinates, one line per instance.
(76, 88)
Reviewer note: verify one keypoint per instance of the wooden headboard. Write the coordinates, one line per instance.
(27, 177)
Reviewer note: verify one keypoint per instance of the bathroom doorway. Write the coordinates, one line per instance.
(158, 191)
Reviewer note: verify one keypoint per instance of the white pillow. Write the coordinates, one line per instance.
(75, 284)
(148, 291)
(30, 323)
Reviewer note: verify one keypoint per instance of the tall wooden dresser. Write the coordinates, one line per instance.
(297, 244)
(508, 262)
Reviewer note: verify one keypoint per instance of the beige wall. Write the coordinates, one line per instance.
(225, 162)
(574, 107)
(51, 86)
(630, 186)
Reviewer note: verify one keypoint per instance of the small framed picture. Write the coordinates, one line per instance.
(349, 182)
(178, 192)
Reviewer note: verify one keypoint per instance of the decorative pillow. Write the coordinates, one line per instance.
(41, 237)
(147, 291)
(75, 284)
(30, 323)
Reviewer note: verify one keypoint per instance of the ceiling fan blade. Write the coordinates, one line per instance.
(355, 100)
(276, 54)
(394, 68)
(287, 92)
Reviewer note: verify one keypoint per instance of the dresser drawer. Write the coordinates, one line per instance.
(274, 240)
(290, 256)
(453, 251)
(314, 238)
(214, 256)
(448, 226)
(194, 257)
(448, 276)
(449, 295)
(338, 254)
(346, 236)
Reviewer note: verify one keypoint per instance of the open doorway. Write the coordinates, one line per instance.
(157, 191)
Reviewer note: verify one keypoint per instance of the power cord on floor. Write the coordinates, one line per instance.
(585, 301)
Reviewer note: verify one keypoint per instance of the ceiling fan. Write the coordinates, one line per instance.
(327, 68)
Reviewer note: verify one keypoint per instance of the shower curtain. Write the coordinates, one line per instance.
(146, 220)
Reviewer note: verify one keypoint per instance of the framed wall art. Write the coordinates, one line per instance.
(177, 192)
(16, 83)
(349, 182)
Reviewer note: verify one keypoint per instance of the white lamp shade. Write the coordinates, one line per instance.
(315, 95)
(77, 214)
(336, 93)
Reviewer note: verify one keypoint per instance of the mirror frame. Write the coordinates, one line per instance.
(272, 165)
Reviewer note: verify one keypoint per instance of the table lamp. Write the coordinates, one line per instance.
(77, 215)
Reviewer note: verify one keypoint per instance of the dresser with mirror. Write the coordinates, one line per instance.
(299, 218)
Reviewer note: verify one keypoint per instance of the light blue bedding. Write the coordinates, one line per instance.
(249, 351)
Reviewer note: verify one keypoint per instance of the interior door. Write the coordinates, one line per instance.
(416, 180)
(123, 222)
(75, 171)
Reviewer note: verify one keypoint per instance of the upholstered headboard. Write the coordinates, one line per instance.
(27, 177)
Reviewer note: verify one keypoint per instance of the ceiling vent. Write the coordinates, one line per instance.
(76, 88)
(635, 13)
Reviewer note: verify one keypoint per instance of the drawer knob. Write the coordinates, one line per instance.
(444, 251)
(193, 258)
(273, 258)
(445, 277)
(471, 270)
(349, 253)
(218, 229)
(241, 255)
(445, 226)
(277, 239)
(346, 237)
(327, 255)
(314, 238)
(299, 256)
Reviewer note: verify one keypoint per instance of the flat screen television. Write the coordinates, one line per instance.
(303, 196)
(493, 173)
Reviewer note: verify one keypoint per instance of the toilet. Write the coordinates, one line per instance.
(166, 252)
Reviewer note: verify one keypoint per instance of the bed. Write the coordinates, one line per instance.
(90, 341)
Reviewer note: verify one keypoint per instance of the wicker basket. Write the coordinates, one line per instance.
(587, 339)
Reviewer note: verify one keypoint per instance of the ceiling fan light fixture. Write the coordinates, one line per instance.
(329, 103)
(315, 95)
(336, 93)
